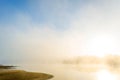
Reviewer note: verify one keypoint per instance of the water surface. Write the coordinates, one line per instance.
(69, 72)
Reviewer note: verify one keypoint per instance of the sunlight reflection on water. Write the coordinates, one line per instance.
(65, 72)
(104, 74)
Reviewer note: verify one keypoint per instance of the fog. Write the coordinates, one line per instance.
(46, 33)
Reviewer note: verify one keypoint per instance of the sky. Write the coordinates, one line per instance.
(38, 31)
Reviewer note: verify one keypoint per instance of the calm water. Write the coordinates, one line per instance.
(69, 72)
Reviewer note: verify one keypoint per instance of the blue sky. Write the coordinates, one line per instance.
(8, 8)
(44, 30)
(40, 11)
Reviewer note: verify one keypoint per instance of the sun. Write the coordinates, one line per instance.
(101, 45)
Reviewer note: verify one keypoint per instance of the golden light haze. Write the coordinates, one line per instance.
(92, 29)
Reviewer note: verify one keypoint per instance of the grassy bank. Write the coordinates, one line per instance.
(23, 75)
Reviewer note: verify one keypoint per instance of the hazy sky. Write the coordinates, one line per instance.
(44, 30)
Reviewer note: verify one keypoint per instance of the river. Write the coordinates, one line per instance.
(69, 72)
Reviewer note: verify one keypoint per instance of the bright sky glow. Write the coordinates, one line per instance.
(101, 45)
(47, 30)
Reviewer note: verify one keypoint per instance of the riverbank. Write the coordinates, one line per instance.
(12, 74)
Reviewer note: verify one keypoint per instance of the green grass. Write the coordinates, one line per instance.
(23, 75)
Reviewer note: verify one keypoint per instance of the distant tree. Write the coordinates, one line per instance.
(113, 61)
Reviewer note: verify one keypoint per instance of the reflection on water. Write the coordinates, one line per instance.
(105, 74)
(68, 72)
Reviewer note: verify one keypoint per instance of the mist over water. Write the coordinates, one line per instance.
(44, 31)
(60, 71)
(70, 72)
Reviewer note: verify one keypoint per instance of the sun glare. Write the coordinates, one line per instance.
(101, 45)
(105, 75)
